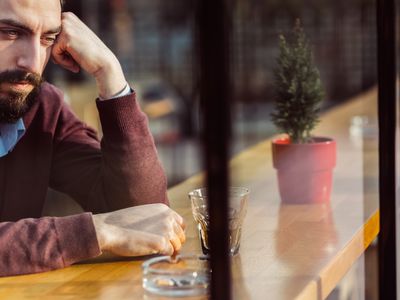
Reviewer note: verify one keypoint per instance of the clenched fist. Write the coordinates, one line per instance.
(140, 230)
(77, 47)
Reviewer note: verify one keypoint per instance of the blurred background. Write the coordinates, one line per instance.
(155, 42)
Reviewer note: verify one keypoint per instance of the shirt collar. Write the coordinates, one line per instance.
(10, 134)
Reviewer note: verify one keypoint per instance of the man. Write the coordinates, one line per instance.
(43, 144)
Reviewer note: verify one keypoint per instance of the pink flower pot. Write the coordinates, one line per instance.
(304, 170)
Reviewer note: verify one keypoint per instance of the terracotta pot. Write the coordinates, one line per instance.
(304, 170)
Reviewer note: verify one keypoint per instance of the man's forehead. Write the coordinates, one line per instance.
(38, 15)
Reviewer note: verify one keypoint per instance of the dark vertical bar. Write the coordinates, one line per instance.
(387, 139)
(213, 42)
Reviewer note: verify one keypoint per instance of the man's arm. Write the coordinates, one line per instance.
(38, 245)
(127, 171)
(122, 171)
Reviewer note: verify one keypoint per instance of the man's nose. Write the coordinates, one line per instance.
(30, 57)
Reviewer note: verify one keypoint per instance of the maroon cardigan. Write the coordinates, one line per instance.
(60, 151)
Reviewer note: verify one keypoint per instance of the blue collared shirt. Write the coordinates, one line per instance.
(10, 134)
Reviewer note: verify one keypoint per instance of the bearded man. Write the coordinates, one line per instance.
(43, 144)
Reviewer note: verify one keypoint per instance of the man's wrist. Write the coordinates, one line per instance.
(110, 80)
(125, 91)
(99, 228)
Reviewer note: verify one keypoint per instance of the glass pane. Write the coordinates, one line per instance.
(304, 220)
(320, 245)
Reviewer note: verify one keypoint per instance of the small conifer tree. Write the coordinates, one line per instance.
(299, 90)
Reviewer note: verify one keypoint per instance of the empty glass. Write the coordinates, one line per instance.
(238, 197)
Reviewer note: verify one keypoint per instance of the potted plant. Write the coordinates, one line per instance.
(304, 162)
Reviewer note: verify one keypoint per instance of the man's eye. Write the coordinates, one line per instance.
(49, 40)
(10, 33)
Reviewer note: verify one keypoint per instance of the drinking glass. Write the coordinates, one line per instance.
(238, 198)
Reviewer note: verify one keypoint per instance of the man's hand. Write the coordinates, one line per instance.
(140, 230)
(78, 47)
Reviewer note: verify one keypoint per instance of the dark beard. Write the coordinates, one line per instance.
(15, 105)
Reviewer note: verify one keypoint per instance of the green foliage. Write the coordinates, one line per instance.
(299, 90)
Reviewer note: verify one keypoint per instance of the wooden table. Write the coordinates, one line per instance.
(287, 251)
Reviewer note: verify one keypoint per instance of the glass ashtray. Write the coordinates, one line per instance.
(180, 276)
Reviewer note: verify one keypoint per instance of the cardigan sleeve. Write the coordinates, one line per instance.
(38, 245)
(120, 171)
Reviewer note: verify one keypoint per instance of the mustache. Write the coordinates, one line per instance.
(15, 76)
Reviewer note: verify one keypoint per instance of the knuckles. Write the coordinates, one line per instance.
(162, 245)
(68, 15)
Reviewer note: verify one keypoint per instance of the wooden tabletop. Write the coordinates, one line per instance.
(287, 251)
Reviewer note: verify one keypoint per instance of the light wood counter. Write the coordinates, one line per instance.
(287, 251)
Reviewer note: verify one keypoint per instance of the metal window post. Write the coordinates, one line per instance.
(213, 50)
(387, 143)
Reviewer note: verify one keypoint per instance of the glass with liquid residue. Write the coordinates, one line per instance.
(238, 198)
